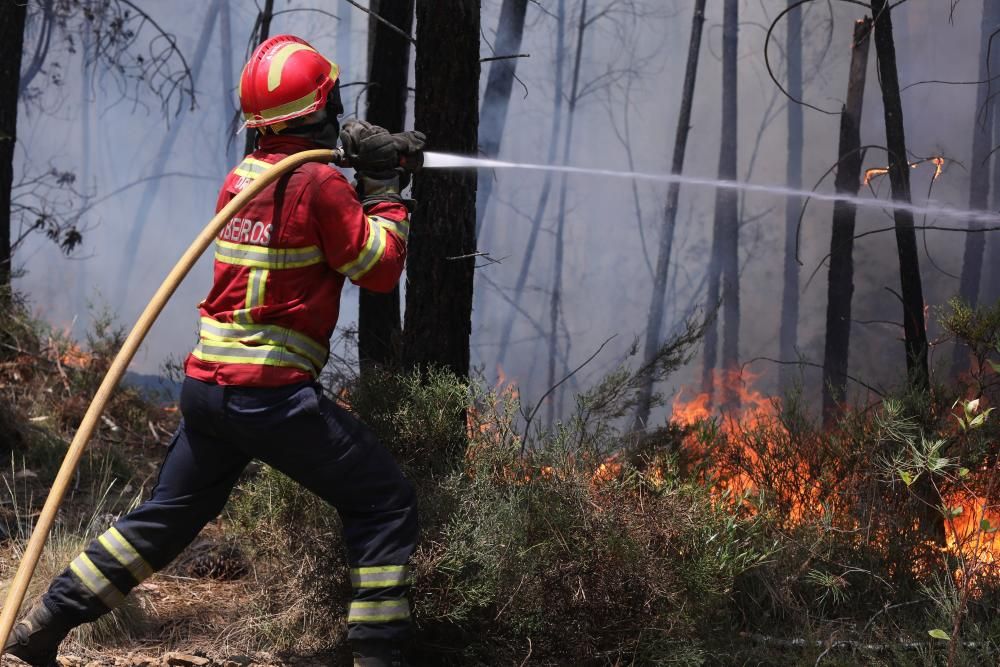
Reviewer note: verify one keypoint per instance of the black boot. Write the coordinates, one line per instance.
(36, 637)
(377, 653)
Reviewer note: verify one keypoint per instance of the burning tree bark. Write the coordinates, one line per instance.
(914, 327)
(979, 178)
(840, 287)
(496, 97)
(12, 20)
(378, 314)
(438, 320)
(724, 267)
(788, 332)
(655, 322)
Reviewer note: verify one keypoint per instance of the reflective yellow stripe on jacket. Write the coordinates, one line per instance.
(261, 257)
(370, 254)
(251, 168)
(257, 338)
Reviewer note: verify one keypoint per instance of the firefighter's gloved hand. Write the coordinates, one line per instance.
(409, 143)
(370, 149)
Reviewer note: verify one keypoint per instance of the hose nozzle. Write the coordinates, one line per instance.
(408, 161)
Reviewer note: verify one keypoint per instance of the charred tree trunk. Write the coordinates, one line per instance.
(379, 322)
(840, 289)
(496, 97)
(555, 302)
(914, 328)
(979, 179)
(991, 287)
(543, 198)
(443, 237)
(725, 232)
(788, 332)
(12, 19)
(991, 240)
(655, 322)
(263, 30)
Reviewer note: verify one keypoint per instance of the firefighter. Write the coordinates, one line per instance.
(251, 388)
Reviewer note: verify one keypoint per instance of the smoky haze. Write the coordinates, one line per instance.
(631, 65)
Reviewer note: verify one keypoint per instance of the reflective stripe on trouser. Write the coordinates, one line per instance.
(109, 568)
(379, 611)
(379, 597)
(319, 445)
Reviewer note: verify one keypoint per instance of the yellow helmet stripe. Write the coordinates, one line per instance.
(278, 63)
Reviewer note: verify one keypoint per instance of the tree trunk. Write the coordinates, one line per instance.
(979, 178)
(264, 24)
(379, 322)
(914, 329)
(788, 332)
(655, 322)
(543, 198)
(496, 97)
(443, 233)
(12, 19)
(130, 252)
(342, 47)
(228, 88)
(991, 287)
(841, 277)
(727, 205)
(555, 302)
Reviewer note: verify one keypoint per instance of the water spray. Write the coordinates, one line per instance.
(432, 160)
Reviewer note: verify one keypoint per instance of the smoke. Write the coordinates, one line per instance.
(631, 65)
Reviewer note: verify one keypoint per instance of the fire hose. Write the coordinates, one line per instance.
(33, 550)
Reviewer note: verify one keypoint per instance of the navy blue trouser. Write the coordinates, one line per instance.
(296, 430)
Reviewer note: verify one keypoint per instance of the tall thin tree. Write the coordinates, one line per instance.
(655, 322)
(555, 298)
(12, 20)
(438, 321)
(840, 288)
(914, 328)
(262, 28)
(496, 97)
(788, 331)
(130, 252)
(379, 325)
(228, 88)
(979, 178)
(724, 264)
(543, 197)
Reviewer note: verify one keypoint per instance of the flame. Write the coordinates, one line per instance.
(936, 160)
(75, 357)
(747, 457)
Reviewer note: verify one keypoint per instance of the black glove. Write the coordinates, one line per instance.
(369, 149)
(409, 143)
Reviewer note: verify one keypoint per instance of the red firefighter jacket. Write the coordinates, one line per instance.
(280, 265)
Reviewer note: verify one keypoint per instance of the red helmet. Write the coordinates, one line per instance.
(286, 78)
